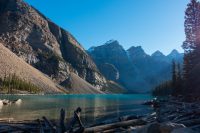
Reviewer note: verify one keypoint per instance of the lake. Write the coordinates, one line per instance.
(94, 107)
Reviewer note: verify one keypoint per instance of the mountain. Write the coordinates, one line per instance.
(46, 46)
(113, 54)
(136, 70)
(12, 64)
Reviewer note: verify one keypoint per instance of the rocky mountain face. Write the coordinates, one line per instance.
(44, 45)
(136, 70)
(111, 57)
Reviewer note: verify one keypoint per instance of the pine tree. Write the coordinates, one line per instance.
(179, 80)
(174, 76)
(191, 45)
(179, 76)
(192, 26)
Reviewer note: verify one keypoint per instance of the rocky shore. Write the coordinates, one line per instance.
(169, 116)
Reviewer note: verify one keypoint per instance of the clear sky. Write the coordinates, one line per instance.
(153, 24)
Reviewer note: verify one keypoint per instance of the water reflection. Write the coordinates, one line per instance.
(94, 107)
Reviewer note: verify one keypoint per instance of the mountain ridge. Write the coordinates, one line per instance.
(140, 71)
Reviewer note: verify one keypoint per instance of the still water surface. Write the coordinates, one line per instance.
(94, 107)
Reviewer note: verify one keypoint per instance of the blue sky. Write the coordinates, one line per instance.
(153, 24)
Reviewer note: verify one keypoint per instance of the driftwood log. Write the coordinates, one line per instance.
(76, 118)
(48, 125)
(101, 128)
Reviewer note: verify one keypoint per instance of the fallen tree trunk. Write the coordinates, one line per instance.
(114, 125)
(191, 122)
(48, 124)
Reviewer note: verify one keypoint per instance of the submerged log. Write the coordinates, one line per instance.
(114, 126)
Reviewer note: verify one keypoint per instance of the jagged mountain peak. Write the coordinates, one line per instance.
(158, 54)
(112, 41)
(174, 52)
(136, 48)
(136, 52)
(113, 44)
(175, 55)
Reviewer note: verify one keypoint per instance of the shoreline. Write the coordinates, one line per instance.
(169, 115)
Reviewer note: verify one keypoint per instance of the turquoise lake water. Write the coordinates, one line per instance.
(94, 107)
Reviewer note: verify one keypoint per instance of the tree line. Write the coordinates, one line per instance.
(173, 86)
